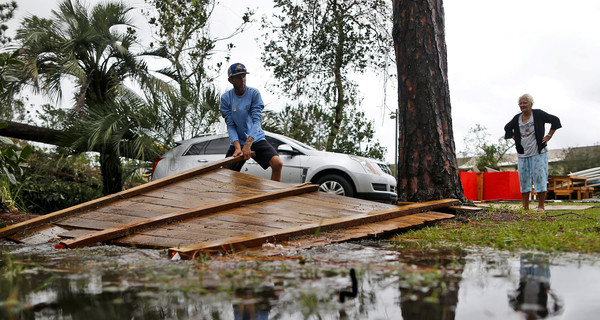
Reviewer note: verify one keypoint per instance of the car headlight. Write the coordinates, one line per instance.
(366, 164)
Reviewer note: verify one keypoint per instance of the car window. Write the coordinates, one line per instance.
(274, 142)
(196, 149)
(217, 146)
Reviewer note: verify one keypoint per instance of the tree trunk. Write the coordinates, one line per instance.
(112, 173)
(427, 163)
(32, 133)
(337, 114)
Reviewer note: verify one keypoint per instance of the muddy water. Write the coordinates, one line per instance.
(109, 282)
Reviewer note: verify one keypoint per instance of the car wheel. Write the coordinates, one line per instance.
(335, 184)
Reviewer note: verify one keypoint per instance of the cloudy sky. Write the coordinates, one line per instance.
(497, 50)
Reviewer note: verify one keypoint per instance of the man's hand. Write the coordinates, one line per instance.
(246, 150)
(238, 149)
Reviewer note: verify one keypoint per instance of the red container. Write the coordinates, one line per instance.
(501, 186)
(469, 183)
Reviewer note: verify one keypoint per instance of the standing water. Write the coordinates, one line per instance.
(110, 282)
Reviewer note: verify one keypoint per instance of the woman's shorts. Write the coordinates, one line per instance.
(534, 168)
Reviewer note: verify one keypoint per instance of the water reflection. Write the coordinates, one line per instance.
(107, 282)
(252, 305)
(534, 296)
(434, 292)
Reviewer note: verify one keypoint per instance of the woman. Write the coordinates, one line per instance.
(527, 129)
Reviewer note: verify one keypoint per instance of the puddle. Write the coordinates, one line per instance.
(109, 282)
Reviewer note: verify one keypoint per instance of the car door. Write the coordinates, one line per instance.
(201, 153)
(292, 172)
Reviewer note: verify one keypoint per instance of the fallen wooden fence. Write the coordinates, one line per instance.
(209, 209)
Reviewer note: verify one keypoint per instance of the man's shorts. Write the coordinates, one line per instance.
(536, 168)
(263, 150)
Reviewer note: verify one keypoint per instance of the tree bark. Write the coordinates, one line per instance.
(32, 133)
(112, 173)
(427, 163)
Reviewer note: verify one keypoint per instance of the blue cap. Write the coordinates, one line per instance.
(235, 69)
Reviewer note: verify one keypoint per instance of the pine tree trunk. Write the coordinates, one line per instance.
(427, 163)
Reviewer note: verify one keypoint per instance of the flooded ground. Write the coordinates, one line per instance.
(109, 282)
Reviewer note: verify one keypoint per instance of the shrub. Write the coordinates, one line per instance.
(56, 180)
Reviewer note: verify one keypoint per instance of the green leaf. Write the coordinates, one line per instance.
(5, 140)
(26, 152)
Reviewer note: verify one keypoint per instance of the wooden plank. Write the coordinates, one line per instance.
(348, 203)
(235, 181)
(259, 221)
(48, 218)
(184, 196)
(433, 216)
(130, 228)
(465, 208)
(304, 210)
(41, 235)
(230, 223)
(191, 231)
(344, 222)
(92, 224)
(70, 234)
(340, 235)
(99, 218)
(150, 241)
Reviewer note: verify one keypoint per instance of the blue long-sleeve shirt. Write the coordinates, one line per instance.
(243, 115)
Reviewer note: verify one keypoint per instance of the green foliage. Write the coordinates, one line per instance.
(11, 107)
(55, 180)
(184, 38)
(12, 160)
(116, 129)
(488, 154)
(93, 49)
(7, 10)
(578, 159)
(314, 46)
(12, 163)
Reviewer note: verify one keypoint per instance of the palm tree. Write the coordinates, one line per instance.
(92, 49)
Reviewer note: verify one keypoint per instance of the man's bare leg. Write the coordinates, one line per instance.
(276, 166)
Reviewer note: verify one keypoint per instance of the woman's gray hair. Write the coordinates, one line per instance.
(526, 96)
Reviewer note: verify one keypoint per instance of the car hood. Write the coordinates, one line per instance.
(335, 155)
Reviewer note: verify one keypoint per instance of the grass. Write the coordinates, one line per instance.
(504, 228)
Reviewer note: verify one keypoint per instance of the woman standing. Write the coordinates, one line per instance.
(527, 129)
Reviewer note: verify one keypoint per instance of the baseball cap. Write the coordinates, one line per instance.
(235, 69)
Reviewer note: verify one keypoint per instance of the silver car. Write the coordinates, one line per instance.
(335, 173)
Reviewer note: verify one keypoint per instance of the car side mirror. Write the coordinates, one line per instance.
(286, 148)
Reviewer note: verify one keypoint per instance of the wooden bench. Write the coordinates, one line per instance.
(583, 192)
(561, 186)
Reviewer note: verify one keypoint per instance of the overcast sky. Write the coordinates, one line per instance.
(497, 50)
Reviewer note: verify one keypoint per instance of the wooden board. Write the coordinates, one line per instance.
(48, 218)
(168, 218)
(371, 230)
(243, 242)
(210, 209)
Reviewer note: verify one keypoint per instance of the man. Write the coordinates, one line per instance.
(242, 109)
